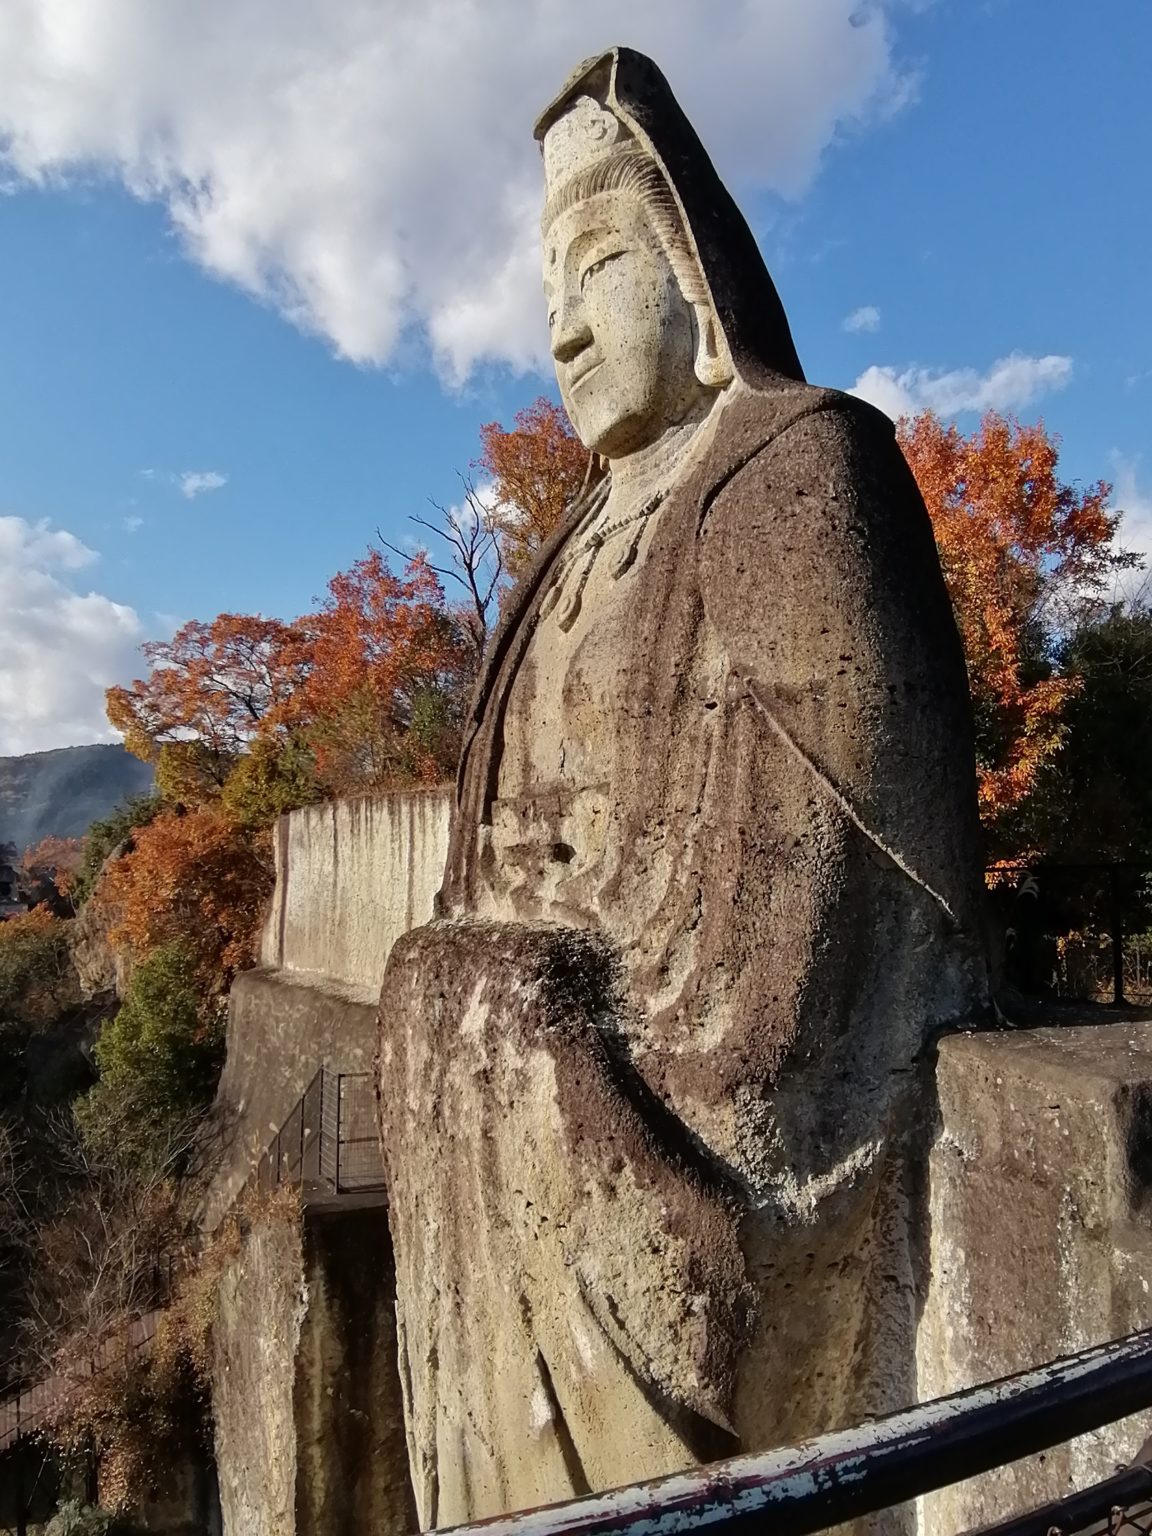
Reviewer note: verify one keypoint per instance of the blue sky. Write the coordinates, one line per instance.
(257, 274)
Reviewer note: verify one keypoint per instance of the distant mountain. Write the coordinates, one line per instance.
(61, 793)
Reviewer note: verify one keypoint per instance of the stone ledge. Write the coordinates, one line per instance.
(1041, 1244)
(281, 1030)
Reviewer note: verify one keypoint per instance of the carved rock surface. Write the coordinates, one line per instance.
(651, 1088)
(570, 1279)
(584, 1297)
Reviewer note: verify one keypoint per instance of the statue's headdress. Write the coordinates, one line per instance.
(617, 123)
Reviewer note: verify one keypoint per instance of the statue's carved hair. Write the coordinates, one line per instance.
(629, 169)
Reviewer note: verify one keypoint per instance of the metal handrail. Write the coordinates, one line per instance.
(306, 1152)
(854, 1472)
(302, 1155)
(26, 1411)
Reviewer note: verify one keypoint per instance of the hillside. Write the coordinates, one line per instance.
(60, 793)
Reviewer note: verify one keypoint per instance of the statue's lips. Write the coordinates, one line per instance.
(585, 373)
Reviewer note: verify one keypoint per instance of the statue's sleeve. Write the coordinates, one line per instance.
(818, 569)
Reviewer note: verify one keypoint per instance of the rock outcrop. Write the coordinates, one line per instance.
(1041, 1235)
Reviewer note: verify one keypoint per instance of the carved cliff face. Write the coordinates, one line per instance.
(623, 337)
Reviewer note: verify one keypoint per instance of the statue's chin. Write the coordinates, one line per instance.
(619, 437)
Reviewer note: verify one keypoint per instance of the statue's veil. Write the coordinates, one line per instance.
(630, 86)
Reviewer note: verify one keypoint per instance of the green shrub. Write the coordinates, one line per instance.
(75, 1518)
(275, 776)
(37, 979)
(159, 1060)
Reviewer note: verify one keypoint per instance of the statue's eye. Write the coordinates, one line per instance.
(597, 266)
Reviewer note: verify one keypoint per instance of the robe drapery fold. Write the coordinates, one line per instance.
(652, 1102)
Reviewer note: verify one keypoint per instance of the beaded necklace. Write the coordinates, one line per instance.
(588, 549)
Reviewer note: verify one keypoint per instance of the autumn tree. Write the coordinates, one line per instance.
(537, 469)
(193, 877)
(110, 834)
(212, 689)
(389, 670)
(1022, 552)
(49, 872)
(37, 978)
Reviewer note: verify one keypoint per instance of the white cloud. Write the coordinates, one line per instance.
(196, 482)
(866, 318)
(1010, 384)
(1134, 535)
(60, 646)
(131, 524)
(368, 167)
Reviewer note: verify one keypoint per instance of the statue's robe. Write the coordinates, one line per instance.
(652, 1086)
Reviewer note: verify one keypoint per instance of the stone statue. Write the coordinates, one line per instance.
(653, 1090)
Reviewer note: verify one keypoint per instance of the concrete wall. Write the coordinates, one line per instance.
(281, 1030)
(1041, 1243)
(261, 1305)
(351, 1448)
(351, 876)
(306, 1396)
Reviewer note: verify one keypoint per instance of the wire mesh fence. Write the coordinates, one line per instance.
(1076, 932)
(328, 1144)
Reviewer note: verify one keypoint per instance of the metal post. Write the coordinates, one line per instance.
(320, 1132)
(22, 1495)
(339, 1122)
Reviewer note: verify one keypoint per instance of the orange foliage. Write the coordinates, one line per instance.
(211, 689)
(192, 876)
(388, 664)
(368, 689)
(53, 862)
(1017, 546)
(537, 469)
(37, 978)
(41, 920)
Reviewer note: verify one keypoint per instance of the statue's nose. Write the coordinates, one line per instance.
(571, 333)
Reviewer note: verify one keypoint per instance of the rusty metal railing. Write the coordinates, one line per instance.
(883, 1463)
(328, 1144)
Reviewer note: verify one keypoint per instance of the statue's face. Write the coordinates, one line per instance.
(622, 335)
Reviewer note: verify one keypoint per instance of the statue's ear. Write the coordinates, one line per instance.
(713, 360)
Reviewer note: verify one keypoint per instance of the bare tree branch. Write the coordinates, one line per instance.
(476, 560)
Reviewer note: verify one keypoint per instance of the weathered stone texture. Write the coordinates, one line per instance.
(352, 1468)
(651, 1088)
(306, 1396)
(585, 1299)
(261, 1305)
(352, 875)
(1041, 1199)
(104, 972)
